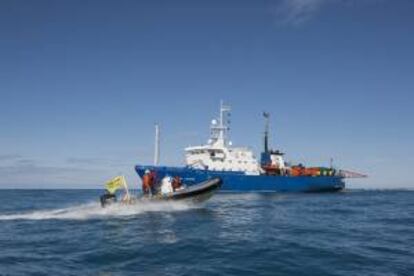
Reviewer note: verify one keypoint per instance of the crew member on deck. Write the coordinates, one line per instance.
(176, 183)
(147, 182)
(153, 178)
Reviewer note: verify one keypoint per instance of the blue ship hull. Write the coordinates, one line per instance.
(240, 182)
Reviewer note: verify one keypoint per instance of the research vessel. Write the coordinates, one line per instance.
(241, 171)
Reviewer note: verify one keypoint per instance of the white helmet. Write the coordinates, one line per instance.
(147, 171)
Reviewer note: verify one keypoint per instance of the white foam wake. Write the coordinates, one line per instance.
(94, 210)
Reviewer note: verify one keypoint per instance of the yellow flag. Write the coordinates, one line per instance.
(115, 184)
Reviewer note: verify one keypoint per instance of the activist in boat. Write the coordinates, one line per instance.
(167, 188)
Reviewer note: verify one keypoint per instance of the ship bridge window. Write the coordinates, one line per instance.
(217, 154)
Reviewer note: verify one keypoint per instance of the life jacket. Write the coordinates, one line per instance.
(146, 181)
(152, 178)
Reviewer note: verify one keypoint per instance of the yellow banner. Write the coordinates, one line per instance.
(115, 184)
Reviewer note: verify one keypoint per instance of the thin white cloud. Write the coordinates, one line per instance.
(32, 174)
(296, 12)
(8, 157)
(17, 171)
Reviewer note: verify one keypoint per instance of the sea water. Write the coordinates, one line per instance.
(66, 232)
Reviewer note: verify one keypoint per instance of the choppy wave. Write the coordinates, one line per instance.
(350, 233)
(94, 211)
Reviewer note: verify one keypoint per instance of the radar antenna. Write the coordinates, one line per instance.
(219, 129)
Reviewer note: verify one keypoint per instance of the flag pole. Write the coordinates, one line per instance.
(126, 187)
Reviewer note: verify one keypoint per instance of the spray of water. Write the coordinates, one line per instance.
(95, 211)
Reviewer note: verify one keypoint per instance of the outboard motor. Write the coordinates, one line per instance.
(107, 199)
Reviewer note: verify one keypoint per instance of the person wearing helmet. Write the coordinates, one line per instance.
(147, 181)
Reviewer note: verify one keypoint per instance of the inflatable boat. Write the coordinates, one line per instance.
(195, 194)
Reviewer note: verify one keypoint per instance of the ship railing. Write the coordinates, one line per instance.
(350, 174)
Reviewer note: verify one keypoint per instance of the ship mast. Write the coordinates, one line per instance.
(157, 145)
(266, 133)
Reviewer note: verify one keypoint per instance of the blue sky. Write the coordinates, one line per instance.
(82, 83)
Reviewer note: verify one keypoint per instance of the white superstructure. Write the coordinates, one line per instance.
(218, 154)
